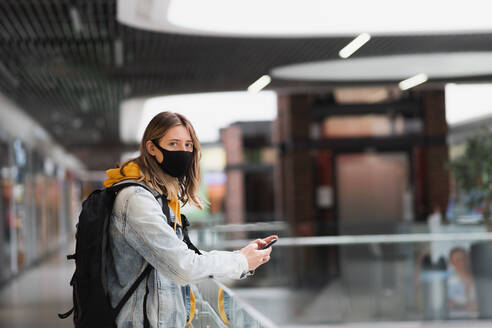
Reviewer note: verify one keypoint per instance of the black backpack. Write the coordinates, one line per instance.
(91, 305)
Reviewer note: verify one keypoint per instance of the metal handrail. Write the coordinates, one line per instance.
(361, 239)
(258, 226)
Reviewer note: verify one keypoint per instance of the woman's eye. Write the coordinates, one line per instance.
(189, 145)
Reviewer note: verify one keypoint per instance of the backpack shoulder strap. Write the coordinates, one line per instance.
(186, 238)
(132, 289)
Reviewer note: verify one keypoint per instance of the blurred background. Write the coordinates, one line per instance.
(357, 131)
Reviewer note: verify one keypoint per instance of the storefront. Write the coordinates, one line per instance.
(5, 211)
(38, 204)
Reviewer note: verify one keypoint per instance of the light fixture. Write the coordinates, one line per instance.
(306, 18)
(413, 81)
(355, 45)
(76, 21)
(260, 83)
(84, 104)
(444, 65)
(118, 52)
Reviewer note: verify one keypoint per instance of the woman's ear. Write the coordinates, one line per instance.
(150, 147)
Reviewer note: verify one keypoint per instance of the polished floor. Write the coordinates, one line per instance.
(35, 297)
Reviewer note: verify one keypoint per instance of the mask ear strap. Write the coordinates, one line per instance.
(157, 145)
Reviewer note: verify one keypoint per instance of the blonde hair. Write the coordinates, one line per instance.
(185, 188)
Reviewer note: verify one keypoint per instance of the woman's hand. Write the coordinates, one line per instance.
(255, 255)
(263, 242)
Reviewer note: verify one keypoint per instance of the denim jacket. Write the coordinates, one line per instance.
(140, 234)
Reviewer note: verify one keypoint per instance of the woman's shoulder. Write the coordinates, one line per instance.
(135, 199)
(135, 191)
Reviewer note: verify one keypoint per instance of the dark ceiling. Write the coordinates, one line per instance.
(72, 82)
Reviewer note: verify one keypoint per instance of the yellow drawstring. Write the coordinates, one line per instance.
(192, 308)
(222, 312)
(174, 205)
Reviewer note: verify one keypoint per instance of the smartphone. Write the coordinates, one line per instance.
(270, 244)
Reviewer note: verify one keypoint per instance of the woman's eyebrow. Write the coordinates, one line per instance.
(175, 139)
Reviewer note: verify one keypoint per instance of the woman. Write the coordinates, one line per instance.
(140, 234)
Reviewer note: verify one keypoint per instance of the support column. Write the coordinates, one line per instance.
(234, 201)
(436, 151)
(294, 169)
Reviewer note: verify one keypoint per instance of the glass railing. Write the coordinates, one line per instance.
(218, 306)
(364, 278)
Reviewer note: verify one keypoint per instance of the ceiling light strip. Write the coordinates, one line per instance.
(413, 81)
(76, 21)
(355, 45)
(261, 83)
(118, 53)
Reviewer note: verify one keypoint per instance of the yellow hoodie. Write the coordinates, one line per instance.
(132, 171)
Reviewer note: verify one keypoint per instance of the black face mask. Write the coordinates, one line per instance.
(176, 162)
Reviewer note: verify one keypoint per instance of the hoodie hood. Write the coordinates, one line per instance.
(130, 171)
